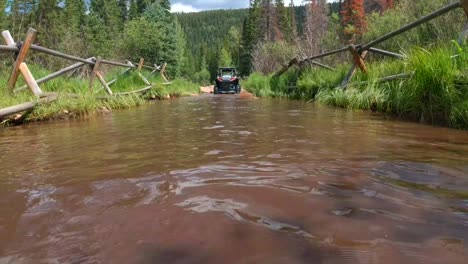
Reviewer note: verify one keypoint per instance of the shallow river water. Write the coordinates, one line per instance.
(218, 179)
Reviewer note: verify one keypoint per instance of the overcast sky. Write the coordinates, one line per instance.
(198, 5)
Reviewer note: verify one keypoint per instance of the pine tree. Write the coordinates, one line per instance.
(166, 5)
(181, 50)
(250, 37)
(110, 14)
(74, 14)
(141, 6)
(104, 14)
(354, 19)
(161, 14)
(74, 19)
(97, 37)
(123, 11)
(97, 7)
(47, 19)
(183, 58)
(133, 10)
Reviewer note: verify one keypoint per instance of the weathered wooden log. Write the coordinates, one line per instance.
(395, 77)
(286, 67)
(117, 64)
(351, 72)
(387, 53)
(295, 61)
(136, 91)
(24, 106)
(163, 73)
(414, 24)
(103, 83)
(358, 60)
(144, 66)
(148, 67)
(21, 57)
(143, 78)
(54, 75)
(60, 54)
(17, 109)
(320, 65)
(63, 55)
(8, 38)
(97, 64)
(30, 81)
(140, 64)
(8, 48)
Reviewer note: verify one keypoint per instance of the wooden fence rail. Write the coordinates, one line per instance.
(22, 49)
(359, 52)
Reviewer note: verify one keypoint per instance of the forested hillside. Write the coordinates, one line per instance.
(113, 29)
(214, 39)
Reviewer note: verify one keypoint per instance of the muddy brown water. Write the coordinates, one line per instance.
(218, 179)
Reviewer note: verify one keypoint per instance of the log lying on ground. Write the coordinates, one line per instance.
(26, 106)
(387, 53)
(136, 91)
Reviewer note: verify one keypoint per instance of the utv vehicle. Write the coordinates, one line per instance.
(227, 81)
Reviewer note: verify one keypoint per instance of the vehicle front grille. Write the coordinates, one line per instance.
(226, 85)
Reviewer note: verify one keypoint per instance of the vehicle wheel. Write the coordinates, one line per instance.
(238, 89)
(215, 91)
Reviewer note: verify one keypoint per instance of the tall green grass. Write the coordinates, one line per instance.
(90, 100)
(436, 93)
(259, 85)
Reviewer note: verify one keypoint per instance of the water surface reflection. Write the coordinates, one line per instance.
(221, 179)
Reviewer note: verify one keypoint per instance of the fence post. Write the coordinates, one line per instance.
(351, 72)
(30, 81)
(21, 56)
(95, 71)
(103, 83)
(140, 64)
(8, 38)
(358, 60)
(163, 73)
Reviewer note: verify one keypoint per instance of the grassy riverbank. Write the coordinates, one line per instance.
(88, 101)
(436, 93)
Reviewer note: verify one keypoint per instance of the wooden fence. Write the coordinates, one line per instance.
(359, 52)
(22, 49)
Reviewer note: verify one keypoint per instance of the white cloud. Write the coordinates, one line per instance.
(183, 8)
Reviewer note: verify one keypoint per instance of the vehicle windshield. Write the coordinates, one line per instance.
(225, 72)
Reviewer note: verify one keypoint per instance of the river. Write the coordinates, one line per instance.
(218, 179)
